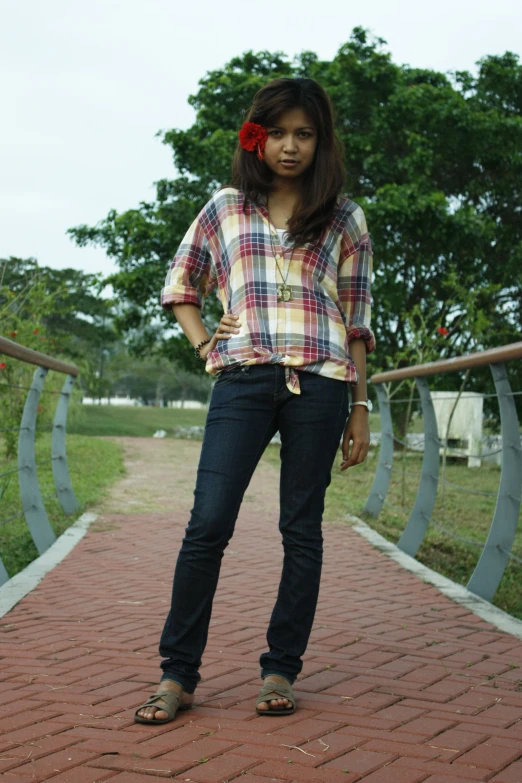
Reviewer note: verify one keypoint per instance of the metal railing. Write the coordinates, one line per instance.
(32, 502)
(496, 550)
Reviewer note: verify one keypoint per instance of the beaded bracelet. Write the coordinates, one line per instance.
(198, 348)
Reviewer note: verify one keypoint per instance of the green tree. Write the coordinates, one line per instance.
(153, 381)
(23, 310)
(78, 321)
(79, 315)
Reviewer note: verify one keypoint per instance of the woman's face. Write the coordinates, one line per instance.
(291, 144)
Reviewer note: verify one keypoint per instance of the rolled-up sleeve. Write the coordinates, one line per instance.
(190, 278)
(354, 280)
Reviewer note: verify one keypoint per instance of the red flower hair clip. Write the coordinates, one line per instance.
(251, 136)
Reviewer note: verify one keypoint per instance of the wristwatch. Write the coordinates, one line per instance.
(366, 403)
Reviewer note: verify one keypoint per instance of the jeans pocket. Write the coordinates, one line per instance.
(232, 374)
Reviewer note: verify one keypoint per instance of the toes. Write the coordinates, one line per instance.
(274, 704)
(152, 714)
(279, 704)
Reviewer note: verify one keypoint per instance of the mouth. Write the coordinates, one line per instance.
(289, 162)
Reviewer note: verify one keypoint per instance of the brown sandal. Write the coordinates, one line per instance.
(171, 700)
(274, 690)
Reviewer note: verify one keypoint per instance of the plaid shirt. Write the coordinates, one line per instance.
(230, 247)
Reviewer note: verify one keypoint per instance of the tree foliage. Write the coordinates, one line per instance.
(74, 313)
(61, 313)
(153, 380)
(433, 158)
(63, 307)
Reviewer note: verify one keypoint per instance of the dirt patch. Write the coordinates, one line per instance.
(161, 474)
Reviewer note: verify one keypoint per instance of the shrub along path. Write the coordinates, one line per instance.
(400, 685)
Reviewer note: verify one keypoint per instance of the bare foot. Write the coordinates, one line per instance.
(277, 703)
(156, 713)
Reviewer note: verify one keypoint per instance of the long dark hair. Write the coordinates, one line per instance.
(322, 181)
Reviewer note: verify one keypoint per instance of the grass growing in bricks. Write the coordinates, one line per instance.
(94, 465)
(466, 515)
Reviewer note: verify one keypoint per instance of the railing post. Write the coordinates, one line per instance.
(4, 576)
(31, 497)
(381, 481)
(495, 555)
(62, 480)
(422, 510)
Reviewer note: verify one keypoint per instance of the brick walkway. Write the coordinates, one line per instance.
(400, 685)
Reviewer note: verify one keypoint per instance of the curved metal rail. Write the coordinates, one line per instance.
(33, 505)
(496, 550)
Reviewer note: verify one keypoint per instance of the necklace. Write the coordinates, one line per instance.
(284, 291)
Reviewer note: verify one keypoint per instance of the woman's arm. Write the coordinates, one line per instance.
(354, 277)
(357, 429)
(358, 352)
(189, 318)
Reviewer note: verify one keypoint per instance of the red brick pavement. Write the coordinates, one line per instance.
(399, 685)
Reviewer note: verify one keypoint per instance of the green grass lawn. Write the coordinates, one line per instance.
(94, 465)
(131, 421)
(464, 514)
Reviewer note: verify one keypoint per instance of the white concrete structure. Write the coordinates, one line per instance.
(186, 404)
(111, 401)
(465, 433)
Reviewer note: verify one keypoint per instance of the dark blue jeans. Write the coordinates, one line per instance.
(249, 405)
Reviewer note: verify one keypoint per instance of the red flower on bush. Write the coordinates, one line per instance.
(40, 409)
(3, 365)
(251, 136)
(42, 338)
(13, 334)
(35, 331)
(443, 331)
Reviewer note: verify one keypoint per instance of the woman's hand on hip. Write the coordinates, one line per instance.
(356, 438)
(228, 327)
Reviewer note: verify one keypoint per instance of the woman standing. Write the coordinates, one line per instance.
(291, 259)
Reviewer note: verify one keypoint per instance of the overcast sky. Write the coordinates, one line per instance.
(85, 86)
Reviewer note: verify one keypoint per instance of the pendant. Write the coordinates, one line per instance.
(284, 292)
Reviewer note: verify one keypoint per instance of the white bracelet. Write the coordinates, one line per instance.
(367, 404)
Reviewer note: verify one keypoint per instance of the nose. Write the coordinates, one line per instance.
(289, 144)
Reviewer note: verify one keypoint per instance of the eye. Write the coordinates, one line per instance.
(274, 133)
